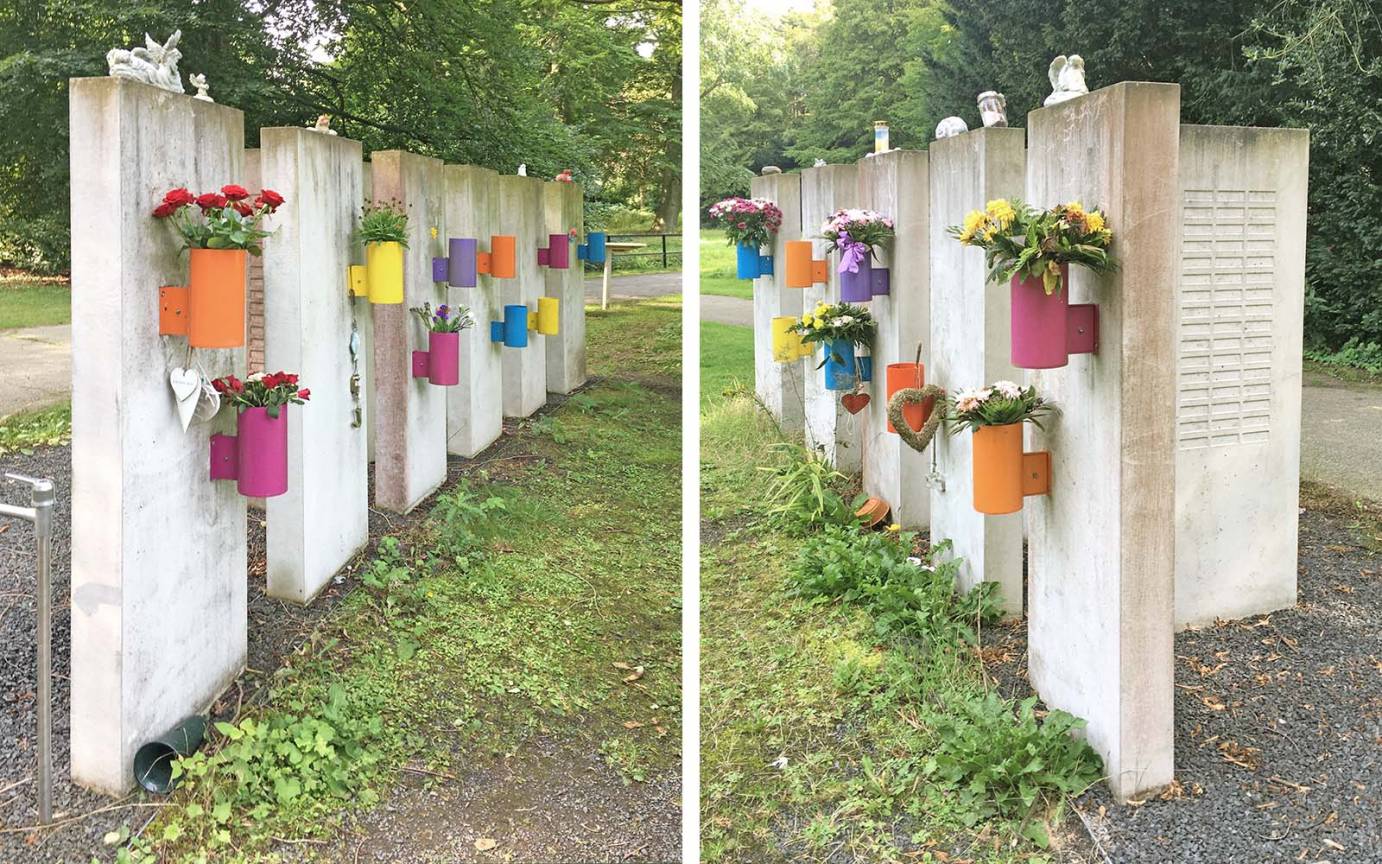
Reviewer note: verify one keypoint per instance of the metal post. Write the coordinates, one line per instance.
(42, 497)
(664, 251)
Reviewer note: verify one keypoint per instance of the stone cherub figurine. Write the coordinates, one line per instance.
(323, 125)
(1067, 79)
(153, 64)
(199, 81)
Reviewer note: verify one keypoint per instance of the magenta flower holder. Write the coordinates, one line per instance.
(256, 457)
(1046, 329)
(557, 255)
(441, 362)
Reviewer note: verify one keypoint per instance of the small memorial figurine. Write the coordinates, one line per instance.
(153, 64)
(199, 81)
(770, 169)
(950, 127)
(564, 176)
(523, 170)
(991, 108)
(1067, 79)
(323, 125)
(819, 163)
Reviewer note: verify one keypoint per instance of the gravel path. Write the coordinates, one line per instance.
(1278, 726)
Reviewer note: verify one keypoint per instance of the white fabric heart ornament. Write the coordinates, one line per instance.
(187, 389)
(210, 401)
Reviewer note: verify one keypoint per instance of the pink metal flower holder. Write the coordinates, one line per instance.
(1046, 329)
(256, 457)
(441, 362)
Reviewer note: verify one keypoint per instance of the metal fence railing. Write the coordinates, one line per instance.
(658, 253)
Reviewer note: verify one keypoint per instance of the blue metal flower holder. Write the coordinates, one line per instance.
(513, 330)
(839, 365)
(593, 249)
(749, 264)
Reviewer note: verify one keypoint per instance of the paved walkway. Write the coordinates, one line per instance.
(1341, 421)
(35, 367)
(635, 287)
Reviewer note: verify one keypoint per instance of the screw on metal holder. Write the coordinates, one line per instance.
(41, 497)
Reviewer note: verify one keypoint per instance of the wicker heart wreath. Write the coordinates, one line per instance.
(917, 440)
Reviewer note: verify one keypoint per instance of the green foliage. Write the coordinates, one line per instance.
(1353, 354)
(811, 86)
(906, 600)
(26, 430)
(805, 491)
(593, 87)
(1001, 762)
(384, 222)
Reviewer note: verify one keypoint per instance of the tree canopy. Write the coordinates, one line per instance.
(591, 85)
(810, 86)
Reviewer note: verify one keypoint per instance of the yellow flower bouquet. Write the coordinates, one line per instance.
(1019, 240)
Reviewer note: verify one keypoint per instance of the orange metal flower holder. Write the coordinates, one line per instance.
(210, 310)
(803, 270)
(1003, 474)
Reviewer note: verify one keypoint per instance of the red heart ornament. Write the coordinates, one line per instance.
(854, 402)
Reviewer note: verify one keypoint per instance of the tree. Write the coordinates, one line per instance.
(591, 85)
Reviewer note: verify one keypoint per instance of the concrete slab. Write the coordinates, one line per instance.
(410, 418)
(1241, 310)
(158, 548)
(563, 212)
(970, 317)
(781, 387)
(1101, 545)
(830, 429)
(474, 407)
(897, 184)
(309, 318)
(525, 369)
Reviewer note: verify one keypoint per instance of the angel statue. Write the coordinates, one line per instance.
(153, 64)
(1067, 79)
(199, 81)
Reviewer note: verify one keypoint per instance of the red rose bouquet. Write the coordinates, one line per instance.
(227, 219)
(262, 391)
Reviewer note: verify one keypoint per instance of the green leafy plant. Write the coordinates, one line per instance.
(384, 222)
(1018, 239)
(24, 431)
(829, 322)
(443, 319)
(1002, 403)
(906, 597)
(1003, 762)
(804, 493)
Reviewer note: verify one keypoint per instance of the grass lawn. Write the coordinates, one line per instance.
(815, 731)
(520, 610)
(25, 430)
(726, 361)
(26, 303)
(717, 267)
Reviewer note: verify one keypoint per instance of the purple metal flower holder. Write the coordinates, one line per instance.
(557, 255)
(857, 287)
